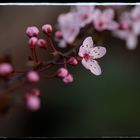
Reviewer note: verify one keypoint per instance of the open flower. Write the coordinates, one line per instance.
(89, 54)
(104, 20)
(84, 14)
(69, 26)
(131, 30)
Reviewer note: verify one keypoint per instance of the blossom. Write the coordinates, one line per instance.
(129, 30)
(69, 26)
(89, 54)
(104, 20)
(84, 14)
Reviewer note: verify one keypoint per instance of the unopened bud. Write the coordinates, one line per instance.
(68, 79)
(32, 31)
(32, 42)
(5, 69)
(47, 29)
(33, 77)
(73, 61)
(62, 72)
(42, 43)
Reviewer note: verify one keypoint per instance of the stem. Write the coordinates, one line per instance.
(34, 55)
(51, 43)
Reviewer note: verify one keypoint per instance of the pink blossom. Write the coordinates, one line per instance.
(33, 76)
(73, 61)
(84, 14)
(32, 31)
(5, 69)
(104, 20)
(42, 43)
(69, 26)
(68, 79)
(47, 29)
(62, 72)
(89, 54)
(130, 32)
(33, 102)
(32, 42)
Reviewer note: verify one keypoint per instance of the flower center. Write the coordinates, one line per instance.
(85, 17)
(101, 23)
(86, 56)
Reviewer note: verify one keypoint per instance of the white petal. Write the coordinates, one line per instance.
(135, 13)
(86, 47)
(94, 67)
(88, 42)
(108, 15)
(122, 34)
(98, 52)
(85, 63)
(96, 15)
(136, 27)
(131, 42)
(69, 26)
(112, 25)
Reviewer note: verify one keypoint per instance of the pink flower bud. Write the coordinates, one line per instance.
(47, 29)
(68, 79)
(124, 26)
(58, 35)
(33, 102)
(32, 42)
(32, 31)
(42, 43)
(35, 92)
(62, 72)
(33, 77)
(73, 61)
(5, 69)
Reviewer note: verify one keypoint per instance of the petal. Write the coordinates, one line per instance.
(85, 14)
(131, 42)
(96, 15)
(69, 26)
(122, 34)
(112, 25)
(136, 27)
(85, 63)
(135, 13)
(98, 52)
(86, 46)
(88, 42)
(108, 15)
(94, 67)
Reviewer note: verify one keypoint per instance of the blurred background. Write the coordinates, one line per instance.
(91, 106)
